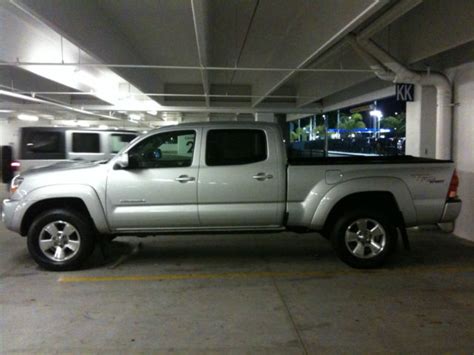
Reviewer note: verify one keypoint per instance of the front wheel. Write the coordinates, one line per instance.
(364, 238)
(60, 240)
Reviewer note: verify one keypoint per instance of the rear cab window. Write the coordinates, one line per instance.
(235, 147)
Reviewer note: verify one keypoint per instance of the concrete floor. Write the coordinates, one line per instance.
(282, 293)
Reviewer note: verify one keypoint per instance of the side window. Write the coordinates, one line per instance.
(42, 144)
(119, 140)
(235, 147)
(86, 143)
(165, 150)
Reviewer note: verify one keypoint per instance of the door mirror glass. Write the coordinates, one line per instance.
(121, 162)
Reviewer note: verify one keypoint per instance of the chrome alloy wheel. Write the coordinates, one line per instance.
(59, 241)
(365, 238)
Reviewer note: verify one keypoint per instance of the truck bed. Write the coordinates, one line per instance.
(419, 185)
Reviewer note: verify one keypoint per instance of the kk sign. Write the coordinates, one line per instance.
(405, 92)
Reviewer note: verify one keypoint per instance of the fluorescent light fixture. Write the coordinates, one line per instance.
(103, 126)
(171, 116)
(83, 124)
(68, 123)
(169, 123)
(134, 117)
(6, 111)
(153, 113)
(25, 117)
(75, 123)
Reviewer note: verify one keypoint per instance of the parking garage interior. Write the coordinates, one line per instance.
(346, 79)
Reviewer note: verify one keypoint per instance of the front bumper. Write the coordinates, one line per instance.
(11, 216)
(451, 210)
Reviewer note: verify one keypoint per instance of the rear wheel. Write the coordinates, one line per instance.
(61, 239)
(364, 238)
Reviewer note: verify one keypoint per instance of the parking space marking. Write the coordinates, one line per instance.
(256, 274)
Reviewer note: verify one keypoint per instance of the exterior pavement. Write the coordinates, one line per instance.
(280, 293)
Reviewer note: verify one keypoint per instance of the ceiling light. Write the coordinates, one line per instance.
(134, 117)
(103, 126)
(169, 123)
(6, 111)
(153, 113)
(25, 117)
(82, 124)
(68, 123)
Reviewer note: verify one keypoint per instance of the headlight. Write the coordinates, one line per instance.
(15, 184)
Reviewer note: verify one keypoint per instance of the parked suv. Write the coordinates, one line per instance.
(40, 146)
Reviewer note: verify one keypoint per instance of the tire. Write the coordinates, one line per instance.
(61, 239)
(364, 238)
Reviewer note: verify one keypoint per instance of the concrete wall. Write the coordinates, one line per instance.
(463, 144)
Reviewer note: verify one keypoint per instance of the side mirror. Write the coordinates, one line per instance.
(121, 162)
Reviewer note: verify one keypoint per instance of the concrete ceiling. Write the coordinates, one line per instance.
(203, 40)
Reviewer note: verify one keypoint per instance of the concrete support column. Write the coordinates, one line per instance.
(421, 123)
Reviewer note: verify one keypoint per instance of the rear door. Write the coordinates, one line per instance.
(241, 180)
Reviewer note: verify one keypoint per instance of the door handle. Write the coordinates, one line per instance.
(184, 178)
(262, 176)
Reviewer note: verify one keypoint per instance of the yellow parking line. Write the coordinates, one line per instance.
(255, 274)
(169, 277)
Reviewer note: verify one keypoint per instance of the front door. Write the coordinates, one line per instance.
(158, 190)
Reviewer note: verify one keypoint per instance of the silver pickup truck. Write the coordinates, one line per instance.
(227, 177)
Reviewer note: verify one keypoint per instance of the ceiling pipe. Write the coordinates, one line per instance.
(402, 74)
(377, 68)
